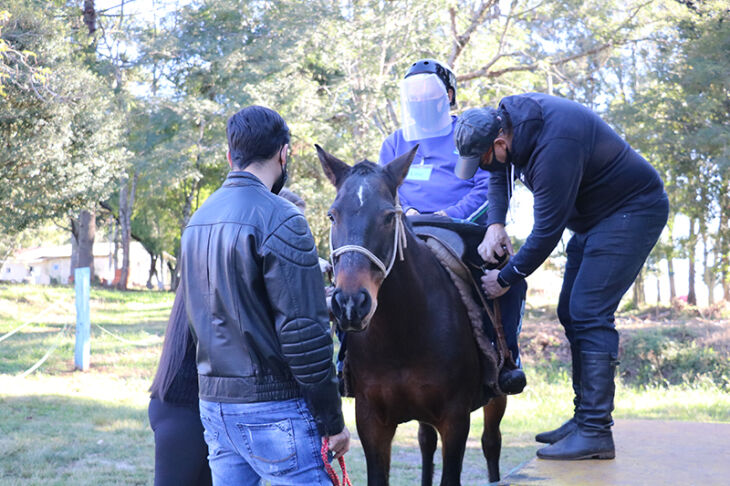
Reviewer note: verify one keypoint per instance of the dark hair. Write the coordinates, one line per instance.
(293, 198)
(177, 340)
(255, 134)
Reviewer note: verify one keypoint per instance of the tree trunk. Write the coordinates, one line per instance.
(90, 16)
(186, 214)
(670, 272)
(153, 269)
(708, 274)
(670, 259)
(722, 253)
(174, 277)
(85, 240)
(126, 203)
(115, 237)
(74, 248)
(639, 297)
(691, 294)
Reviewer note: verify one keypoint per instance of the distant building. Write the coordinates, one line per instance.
(52, 265)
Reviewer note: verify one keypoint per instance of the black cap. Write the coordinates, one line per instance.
(475, 132)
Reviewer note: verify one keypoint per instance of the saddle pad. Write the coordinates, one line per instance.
(462, 237)
(461, 279)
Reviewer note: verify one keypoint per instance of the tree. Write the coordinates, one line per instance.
(677, 116)
(60, 139)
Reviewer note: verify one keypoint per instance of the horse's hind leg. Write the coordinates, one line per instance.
(427, 440)
(454, 432)
(492, 437)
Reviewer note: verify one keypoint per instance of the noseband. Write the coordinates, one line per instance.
(399, 242)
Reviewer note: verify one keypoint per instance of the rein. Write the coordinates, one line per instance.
(330, 470)
(399, 242)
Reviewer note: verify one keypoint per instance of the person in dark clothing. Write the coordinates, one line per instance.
(254, 297)
(180, 450)
(583, 177)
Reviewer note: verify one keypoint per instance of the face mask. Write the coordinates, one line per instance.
(496, 166)
(279, 184)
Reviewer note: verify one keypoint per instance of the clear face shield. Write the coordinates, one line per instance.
(424, 107)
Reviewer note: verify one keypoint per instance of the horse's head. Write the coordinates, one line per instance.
(367, 233)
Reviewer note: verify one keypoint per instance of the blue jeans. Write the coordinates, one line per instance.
(274, 441)
(602, 264)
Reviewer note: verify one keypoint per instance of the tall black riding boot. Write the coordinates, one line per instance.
(592, 438)
(569, 426)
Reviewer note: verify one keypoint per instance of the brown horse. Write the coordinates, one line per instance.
(411, 353)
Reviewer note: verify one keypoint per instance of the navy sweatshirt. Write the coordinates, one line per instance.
(578, 169)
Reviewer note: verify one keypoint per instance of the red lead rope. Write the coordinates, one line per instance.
(330, 471)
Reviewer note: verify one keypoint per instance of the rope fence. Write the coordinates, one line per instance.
(125, 340)
(50, 351)
(62, 333)
(27, 323)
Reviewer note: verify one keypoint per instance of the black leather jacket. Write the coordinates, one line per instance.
(255, 301)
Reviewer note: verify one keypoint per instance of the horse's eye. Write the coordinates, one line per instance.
(388, 218)
(331, 217)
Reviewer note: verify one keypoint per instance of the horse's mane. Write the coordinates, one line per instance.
(365, 167)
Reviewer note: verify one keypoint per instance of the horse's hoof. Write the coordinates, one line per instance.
(513, 381)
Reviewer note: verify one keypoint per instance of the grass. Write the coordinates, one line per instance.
(59, 426)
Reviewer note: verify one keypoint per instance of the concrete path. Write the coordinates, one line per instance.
(648, 453)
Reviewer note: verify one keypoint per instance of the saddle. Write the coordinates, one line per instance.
(454, 243)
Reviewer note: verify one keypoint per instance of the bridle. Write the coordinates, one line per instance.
(399, 242)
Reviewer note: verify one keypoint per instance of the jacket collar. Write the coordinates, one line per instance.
(241, 178)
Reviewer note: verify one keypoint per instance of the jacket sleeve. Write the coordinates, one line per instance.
(296, 291)
(556, 177)
(472, 199)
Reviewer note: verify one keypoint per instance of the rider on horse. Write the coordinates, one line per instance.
(428, 91)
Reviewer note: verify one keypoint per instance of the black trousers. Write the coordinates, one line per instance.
(181, 454)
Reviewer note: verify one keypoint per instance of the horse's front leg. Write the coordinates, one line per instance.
(427, 440)
(376, 437)
(492, 437)
(454, 432)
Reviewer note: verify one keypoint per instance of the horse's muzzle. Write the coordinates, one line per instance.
(352, 310)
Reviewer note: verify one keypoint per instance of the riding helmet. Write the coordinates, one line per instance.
(433, 66)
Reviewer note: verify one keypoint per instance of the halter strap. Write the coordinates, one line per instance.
(399, 242)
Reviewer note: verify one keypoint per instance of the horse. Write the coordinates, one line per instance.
(411, 354)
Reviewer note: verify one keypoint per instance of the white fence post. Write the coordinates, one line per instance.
(82, 277)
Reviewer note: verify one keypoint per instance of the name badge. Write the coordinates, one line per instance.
(420, 172)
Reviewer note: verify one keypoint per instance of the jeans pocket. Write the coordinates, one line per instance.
(271, 445)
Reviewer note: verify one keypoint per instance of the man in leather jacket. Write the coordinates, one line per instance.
(255, 302)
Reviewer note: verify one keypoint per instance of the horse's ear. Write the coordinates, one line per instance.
(335, 169)
(397, 169)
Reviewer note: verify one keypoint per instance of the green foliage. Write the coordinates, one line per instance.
(676, 114)
(60, 144)
(670, 356)
(150, 95)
